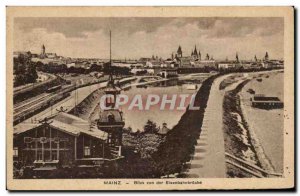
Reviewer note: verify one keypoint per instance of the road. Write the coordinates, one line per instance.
(45, 78)
(209, 158)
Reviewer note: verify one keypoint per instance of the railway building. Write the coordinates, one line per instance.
(65, 141)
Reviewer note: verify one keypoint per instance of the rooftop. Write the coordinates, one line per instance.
(67, 123)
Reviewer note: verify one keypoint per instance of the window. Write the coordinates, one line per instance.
(16, 153)
(110, 99)
(54, 155)
(39, 156)
(111, 118)
(87, 151)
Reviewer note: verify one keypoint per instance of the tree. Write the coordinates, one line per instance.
(150, 127)
(24, 70)
(127, 130)
(31, 74)
(95, 67)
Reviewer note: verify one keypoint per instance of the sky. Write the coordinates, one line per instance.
(133, 38)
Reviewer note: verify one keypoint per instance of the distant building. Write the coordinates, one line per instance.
(184, 61)
(168, 73)
(51, 55)
(195, 60)
(70, 65)
(153, 63)
(170, 63)
(228, 64)
(44, 55)
(205, 63)
(144, 60)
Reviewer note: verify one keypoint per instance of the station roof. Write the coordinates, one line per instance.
(67, 123)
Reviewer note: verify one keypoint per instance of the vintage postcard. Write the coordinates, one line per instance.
(150, 98)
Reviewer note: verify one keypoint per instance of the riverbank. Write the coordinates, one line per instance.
(253, 137)
(88, 108)
(236, 135)
(266, 125)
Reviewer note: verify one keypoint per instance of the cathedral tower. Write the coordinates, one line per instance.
(179, 52)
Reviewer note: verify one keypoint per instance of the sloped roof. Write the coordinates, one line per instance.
(112, 89)
(70, 119)
(67, 123)
(23, 127)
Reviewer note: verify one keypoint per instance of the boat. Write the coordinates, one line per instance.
(191, 86)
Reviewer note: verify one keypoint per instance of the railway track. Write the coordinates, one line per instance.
(32, 104)
(19, 90)
(23, 104)
(26, 110)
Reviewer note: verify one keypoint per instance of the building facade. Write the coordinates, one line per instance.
(64, 141)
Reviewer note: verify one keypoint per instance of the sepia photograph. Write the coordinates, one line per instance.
(150, 98)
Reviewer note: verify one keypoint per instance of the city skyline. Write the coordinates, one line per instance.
(143, 37)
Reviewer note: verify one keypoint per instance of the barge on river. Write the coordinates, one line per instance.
(266, 102)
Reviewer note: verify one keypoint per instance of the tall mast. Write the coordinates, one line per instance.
(110, 47)
(110, 80)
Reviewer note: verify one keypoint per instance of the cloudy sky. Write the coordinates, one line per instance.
(144, 37)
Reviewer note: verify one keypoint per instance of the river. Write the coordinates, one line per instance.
(136, 119)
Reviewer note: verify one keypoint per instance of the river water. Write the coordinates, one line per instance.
(137, 117)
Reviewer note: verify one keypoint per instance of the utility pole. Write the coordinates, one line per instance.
(51, 104)
(75, 97)
(110, 61)
(110, 46)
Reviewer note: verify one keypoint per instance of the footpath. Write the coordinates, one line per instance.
(209, 158)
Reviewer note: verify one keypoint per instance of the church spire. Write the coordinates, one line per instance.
(195, 51)
(179, 51)
(237, 57)
(267, 56)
